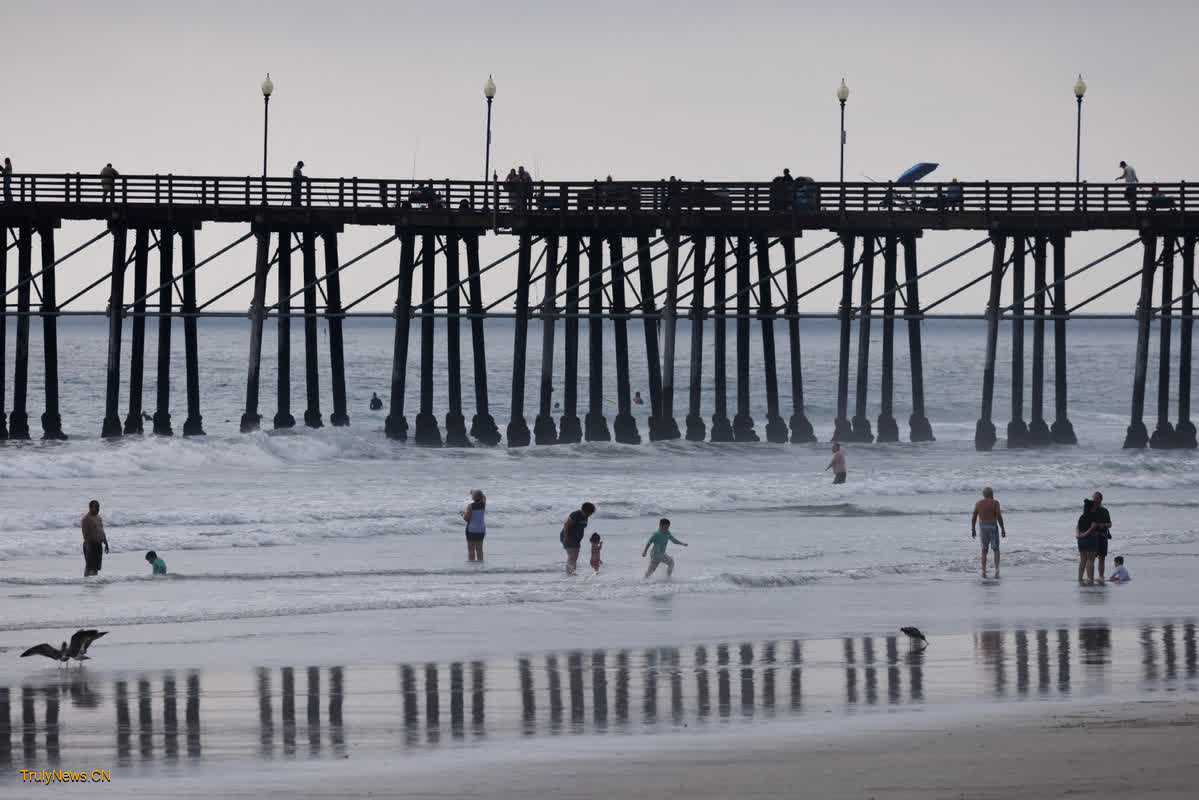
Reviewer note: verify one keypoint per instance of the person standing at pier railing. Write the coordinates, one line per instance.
(7, 168)
(108, 183)
(1129, 176)
(297, 180)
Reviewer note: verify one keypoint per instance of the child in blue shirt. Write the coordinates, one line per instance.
(658, 541)
(1119, 574)
(160, 566)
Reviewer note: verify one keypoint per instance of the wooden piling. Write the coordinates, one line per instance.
(743, 423)
(661, 372)
(888, 429)
(984, 431)
(194, 424)
(1137, 436)
(544, 429)
(570, 430)
(333, 317)
(251, 419)
(1038, 429)
(166, 294)
(455, 420)
(482, 426)
(116, 305)
(624, 427)
(842, 429)
(722, 429)
(312, 386)
(396, 426)
(283, 416)
(427, 432)
(861, 425)
(1017, 431)
(1184, 430)
(1062, 431)
(801, 427)
(137, 349)
(1163, 434)
(696, 430)
(18, 421)
(595, 425)
(919, 427)
(518, 428)
(776, 429)
(51, 419)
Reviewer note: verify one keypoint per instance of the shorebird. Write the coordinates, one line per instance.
(914, 634)
(81, 640)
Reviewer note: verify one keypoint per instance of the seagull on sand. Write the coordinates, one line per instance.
(914, 634)
(77, 649)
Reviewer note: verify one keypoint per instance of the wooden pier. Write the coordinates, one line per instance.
(585, 251)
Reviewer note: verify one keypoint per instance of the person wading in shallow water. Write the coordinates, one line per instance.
(837, 465)
(572, 534)
(476, 526)
(95, 541)
(1103, 532)
(990, 520)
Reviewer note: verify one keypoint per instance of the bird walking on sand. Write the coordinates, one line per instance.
(914, 634)
(81, 640)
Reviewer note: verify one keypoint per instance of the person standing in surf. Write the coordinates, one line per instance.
(572, 534)
(1103, 528)
(657, 555)
(1084, 532)
(837, 465)
(475, 517)
(989, 518)
(95, 541)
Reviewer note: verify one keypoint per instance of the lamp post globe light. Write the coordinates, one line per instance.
(842, 96)
(268, 86)
(1080, 88)
(489, 93)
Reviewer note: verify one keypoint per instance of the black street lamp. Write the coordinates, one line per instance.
(1080, 88)
(489, 93)
(842, 95)
(268, 86)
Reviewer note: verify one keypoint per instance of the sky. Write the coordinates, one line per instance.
(639, 90)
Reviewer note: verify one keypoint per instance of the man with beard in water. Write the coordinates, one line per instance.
(95, 542)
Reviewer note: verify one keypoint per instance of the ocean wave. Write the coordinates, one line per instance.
(258, 577)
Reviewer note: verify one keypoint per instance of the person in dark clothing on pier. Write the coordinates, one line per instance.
(376, 403)
(7, 180)
(297, 180)
(1129, 176)
(108, 183)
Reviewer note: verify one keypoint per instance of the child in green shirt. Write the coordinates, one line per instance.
(160, 566)
(658, 541)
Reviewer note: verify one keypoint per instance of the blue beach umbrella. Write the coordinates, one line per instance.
(917, 172)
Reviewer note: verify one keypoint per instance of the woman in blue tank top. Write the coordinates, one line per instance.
(475, 516)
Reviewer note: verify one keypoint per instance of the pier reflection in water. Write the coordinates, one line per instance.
(65, 716)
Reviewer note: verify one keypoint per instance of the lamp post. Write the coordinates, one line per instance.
(268, 86)
(843, 95)
(1080, 88)
(489, 93)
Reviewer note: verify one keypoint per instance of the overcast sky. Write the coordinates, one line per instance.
(636, 89)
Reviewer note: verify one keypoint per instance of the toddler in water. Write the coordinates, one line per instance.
(160, 566)
(596, 544)
(1119, 574)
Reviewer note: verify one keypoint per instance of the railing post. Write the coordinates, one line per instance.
(987, 196)
(354, 190)
(341, 191)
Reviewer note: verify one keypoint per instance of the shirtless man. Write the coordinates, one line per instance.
(837, 465)
(990, 519)
(93, 540)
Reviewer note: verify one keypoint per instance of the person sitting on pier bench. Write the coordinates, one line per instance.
(425, 194)
(108, 183)
(376, 403)
(954, 198)
(1158, 200)
(297, 179)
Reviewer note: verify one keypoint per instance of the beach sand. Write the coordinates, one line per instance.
(1125, 749)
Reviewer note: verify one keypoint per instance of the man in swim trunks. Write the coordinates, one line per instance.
(837, 465)
(95, 542)
(990, 520)
(572, 534)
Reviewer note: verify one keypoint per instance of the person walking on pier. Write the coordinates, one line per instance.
(108, 183)
(7, 180)
(95, 541)
(297, 181)
(1103, 526)
(1129, 176)
(837, 465)
(475, 517)
(989, 518)
(572, 534)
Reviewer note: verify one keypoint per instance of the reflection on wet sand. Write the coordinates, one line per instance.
(568, 693)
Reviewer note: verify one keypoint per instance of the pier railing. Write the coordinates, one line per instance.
(546, 197)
